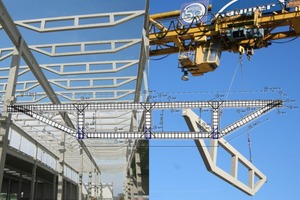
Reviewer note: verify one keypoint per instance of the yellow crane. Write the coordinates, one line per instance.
(200, 44)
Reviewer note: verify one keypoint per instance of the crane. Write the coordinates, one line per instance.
(200, 42)
(199, 36)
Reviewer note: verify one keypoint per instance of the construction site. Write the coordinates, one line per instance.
(139, 99)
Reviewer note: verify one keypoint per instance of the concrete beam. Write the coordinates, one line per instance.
(210, 159)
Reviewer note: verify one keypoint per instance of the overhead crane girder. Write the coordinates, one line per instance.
(256, 30)
(270, 22)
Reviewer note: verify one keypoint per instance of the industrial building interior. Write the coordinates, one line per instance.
(59, 54)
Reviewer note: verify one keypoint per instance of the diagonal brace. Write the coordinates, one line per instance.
(241, 122)
(45, 120)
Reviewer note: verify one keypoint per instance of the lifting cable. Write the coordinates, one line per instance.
(232, 80)
(240, 64)
(244, 93)
(249, 145)
(243, 79)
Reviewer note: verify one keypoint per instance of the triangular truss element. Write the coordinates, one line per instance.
(213, 132)
(255, 177)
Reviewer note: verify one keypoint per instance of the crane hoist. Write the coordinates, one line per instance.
(200, 43)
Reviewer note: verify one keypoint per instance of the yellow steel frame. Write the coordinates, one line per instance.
(166, 41)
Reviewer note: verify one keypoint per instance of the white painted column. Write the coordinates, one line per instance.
(9, 98)
(60, 182)
(138, 176)
(80, 175)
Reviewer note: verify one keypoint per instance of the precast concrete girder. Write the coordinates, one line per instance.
(209, 156)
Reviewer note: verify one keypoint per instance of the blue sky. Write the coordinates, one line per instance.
(177, 170)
